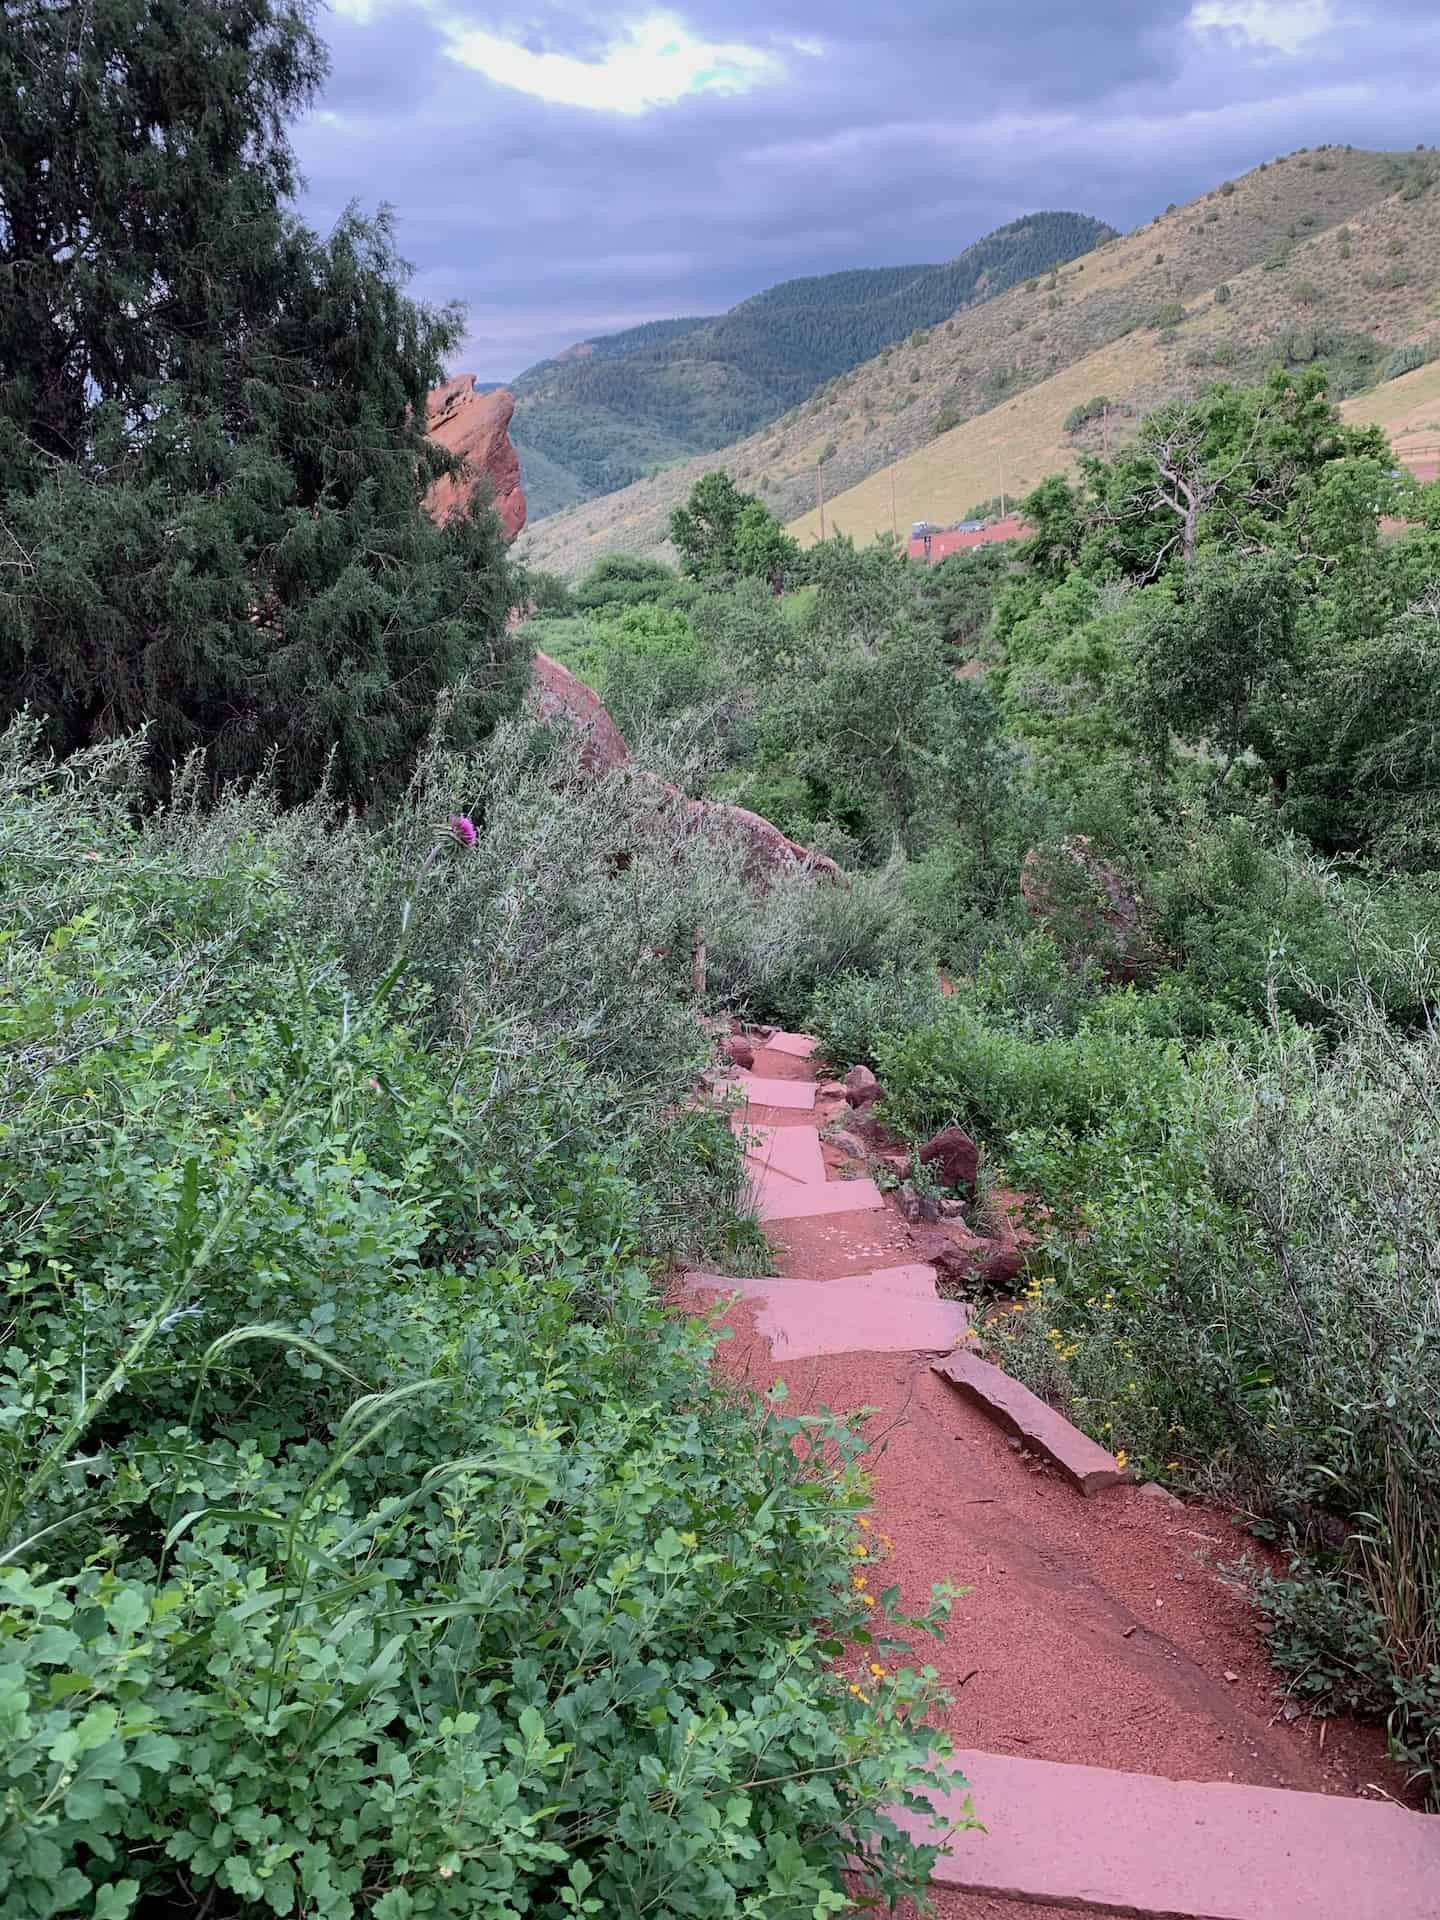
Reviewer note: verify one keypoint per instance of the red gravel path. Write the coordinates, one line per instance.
(1096, 1631)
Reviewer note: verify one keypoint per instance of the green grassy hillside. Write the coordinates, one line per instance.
(615, 409)
(1332, 252)
(1354, 296)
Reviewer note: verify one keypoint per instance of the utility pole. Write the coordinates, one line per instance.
(1105, 419)
(1002, 489)
(894, 529)
(820, 497)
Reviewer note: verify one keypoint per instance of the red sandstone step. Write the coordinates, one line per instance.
(787, 1174)
(1083, 1462)
(779, 1198)
(762, 1092)
(889, 1310)
(1133, 1844)
(792, 1152)
(799, 1046)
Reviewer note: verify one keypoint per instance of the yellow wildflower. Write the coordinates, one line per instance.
(877, 1669)
(865, 1521)
(1122, 1459)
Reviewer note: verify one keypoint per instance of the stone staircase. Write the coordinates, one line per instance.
(1056, 1836)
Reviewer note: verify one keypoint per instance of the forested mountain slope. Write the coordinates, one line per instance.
(611, 410)
(1328, 252)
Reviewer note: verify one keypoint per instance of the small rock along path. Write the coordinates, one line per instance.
(1098, 1633)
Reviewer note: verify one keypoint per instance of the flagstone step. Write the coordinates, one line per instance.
(760, 1091)
(792, 1152)
(1139, 1845)
(799, 1046)
(1069, 1839)
(1082, 1461)
(889, 1310)
(779, 1198)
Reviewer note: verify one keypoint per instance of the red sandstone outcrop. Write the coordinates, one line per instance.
(556, 694)
(475, 425)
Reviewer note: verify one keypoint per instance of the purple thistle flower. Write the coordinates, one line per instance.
(463, 829)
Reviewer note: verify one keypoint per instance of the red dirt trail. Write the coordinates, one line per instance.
(1098, 1631)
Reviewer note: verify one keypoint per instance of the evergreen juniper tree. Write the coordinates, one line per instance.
(212, 448)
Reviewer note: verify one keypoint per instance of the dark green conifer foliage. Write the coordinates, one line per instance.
(212, 456)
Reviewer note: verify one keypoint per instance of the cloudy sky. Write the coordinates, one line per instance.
(571, 169)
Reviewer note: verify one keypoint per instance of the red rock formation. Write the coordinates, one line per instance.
(556, 694)
(474, 425)
(766, 846)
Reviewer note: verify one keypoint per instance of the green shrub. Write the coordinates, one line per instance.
(1171, 314)
(544, 593)
(960, 1070)
(1404, 360)
(1247, 921)
(852, 1013)
(1223, 294)
(1243, 1290)
(621, 580)
(396, 1550)
(805, 933)
(1086, 411)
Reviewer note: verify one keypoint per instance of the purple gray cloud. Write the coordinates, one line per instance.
(569, 170)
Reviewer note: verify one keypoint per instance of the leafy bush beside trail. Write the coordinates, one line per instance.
(370, 1539)
(1249, 1294)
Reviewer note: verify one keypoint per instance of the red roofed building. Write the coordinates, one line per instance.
(945, 540)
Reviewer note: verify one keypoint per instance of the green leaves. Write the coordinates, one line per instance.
(394, 1552)
(214, 450)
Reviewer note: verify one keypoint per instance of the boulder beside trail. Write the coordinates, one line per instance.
(862, 1089)
(965, 1261)
(558, 694)
(917, 1207)
(954, 1157)
(848, 1144)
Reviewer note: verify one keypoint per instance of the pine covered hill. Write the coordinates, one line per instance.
(1331, 253)
(612, 410)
